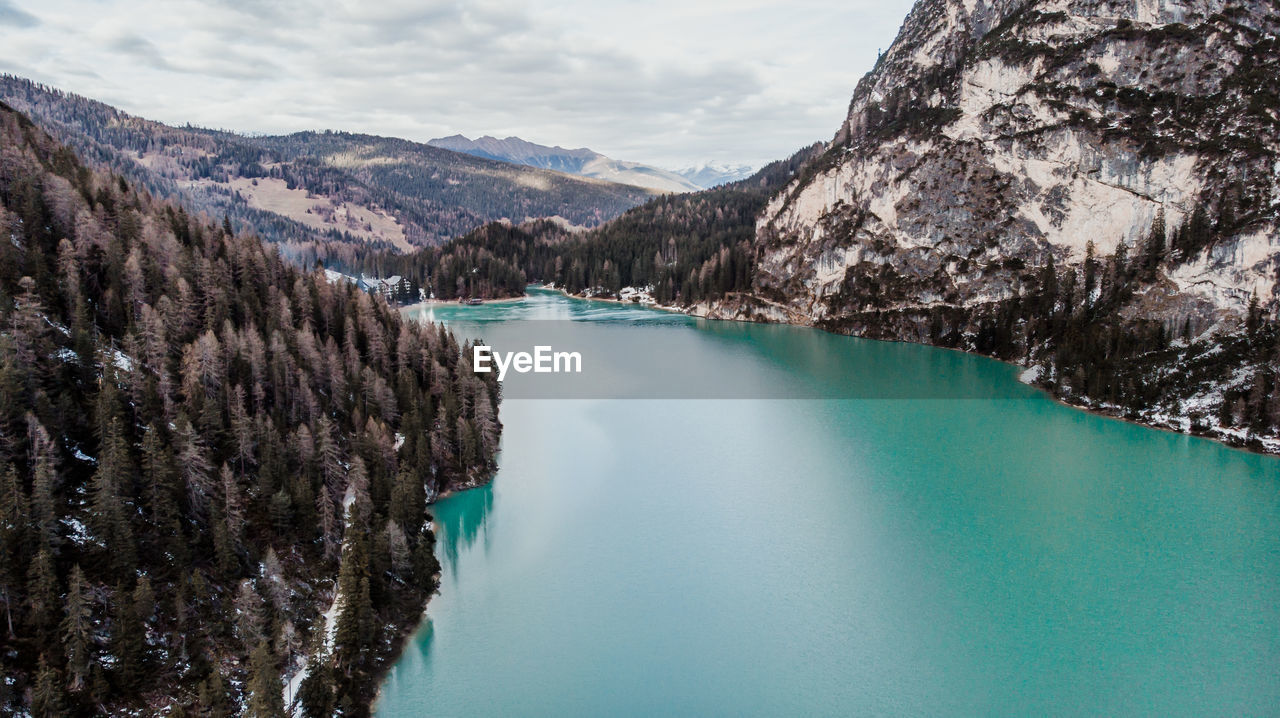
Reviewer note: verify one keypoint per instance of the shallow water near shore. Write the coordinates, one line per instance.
(971, 549)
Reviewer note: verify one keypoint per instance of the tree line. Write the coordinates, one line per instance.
(195, 439)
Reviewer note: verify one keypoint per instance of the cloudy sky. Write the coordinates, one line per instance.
(669, 82)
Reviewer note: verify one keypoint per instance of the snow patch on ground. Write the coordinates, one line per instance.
(79, 533)
(338, 277)
(121, 360)
(61, 328)
(641, 295)
(1031, 374)
(292, 683)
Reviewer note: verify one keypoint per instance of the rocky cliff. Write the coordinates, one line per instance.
(1023, 178)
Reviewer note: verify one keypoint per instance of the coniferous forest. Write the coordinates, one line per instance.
(196, 440)
(688, 247)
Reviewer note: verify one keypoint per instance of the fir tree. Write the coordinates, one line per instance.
(126, 641)
(76, 630)
(42, 600)
(213, 700)
(265, 698)
(108, 519)
(14, 518)
(315, 695)
(48, 698)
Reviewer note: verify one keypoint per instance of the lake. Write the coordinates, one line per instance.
(913, 532)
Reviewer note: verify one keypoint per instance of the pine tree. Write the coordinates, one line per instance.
(281, 512)
(355, 616)
(144, 601)
(14, 519)
(108, 519)
(330, 457)
(76, 630)
(1253, 316)
(48, 699)
(408, 501)
(1090, 272)
(326, 508)
(197, 469)
(213, 699)
(161, 493)
(233, 507)
(398, 549)
(265, 698)
(1154, 248)
(425, 563)
(127, 642)
(224, 551)
(43, 478)
(42, 600)
(316, 692)
(250, 621)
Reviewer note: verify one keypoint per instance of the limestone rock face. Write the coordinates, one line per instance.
(996, 135)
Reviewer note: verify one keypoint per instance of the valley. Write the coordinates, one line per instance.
(317, 422)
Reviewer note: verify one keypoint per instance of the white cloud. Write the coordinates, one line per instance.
(669, 82)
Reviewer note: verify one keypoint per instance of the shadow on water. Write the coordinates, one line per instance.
(460, 521)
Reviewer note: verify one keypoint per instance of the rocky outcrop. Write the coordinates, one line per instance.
(994, 134)
(1091, 186)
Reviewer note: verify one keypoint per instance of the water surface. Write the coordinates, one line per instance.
(965, 548)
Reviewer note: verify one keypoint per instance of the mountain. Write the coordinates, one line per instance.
(214, 467)
(712, 174)
(1084, 186)
(681, 248)
(581, 161)
(319, 193)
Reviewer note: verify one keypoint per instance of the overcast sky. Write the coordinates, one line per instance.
(669, 82)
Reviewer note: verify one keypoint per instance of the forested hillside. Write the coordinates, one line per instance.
(200, 448)
(686, 248)
(321, 195)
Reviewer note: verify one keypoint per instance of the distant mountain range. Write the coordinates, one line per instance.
(582, 161)
(589, 163)
(319, 192)
(714, 174)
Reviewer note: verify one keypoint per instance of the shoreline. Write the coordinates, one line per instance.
(654, 306)
(427, 303)
(1099, 411)
(404, 632)
(1259, 448)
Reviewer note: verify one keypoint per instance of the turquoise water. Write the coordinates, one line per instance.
(859, 555)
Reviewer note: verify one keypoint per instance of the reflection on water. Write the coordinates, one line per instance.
(633, 353)
(459, 521)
